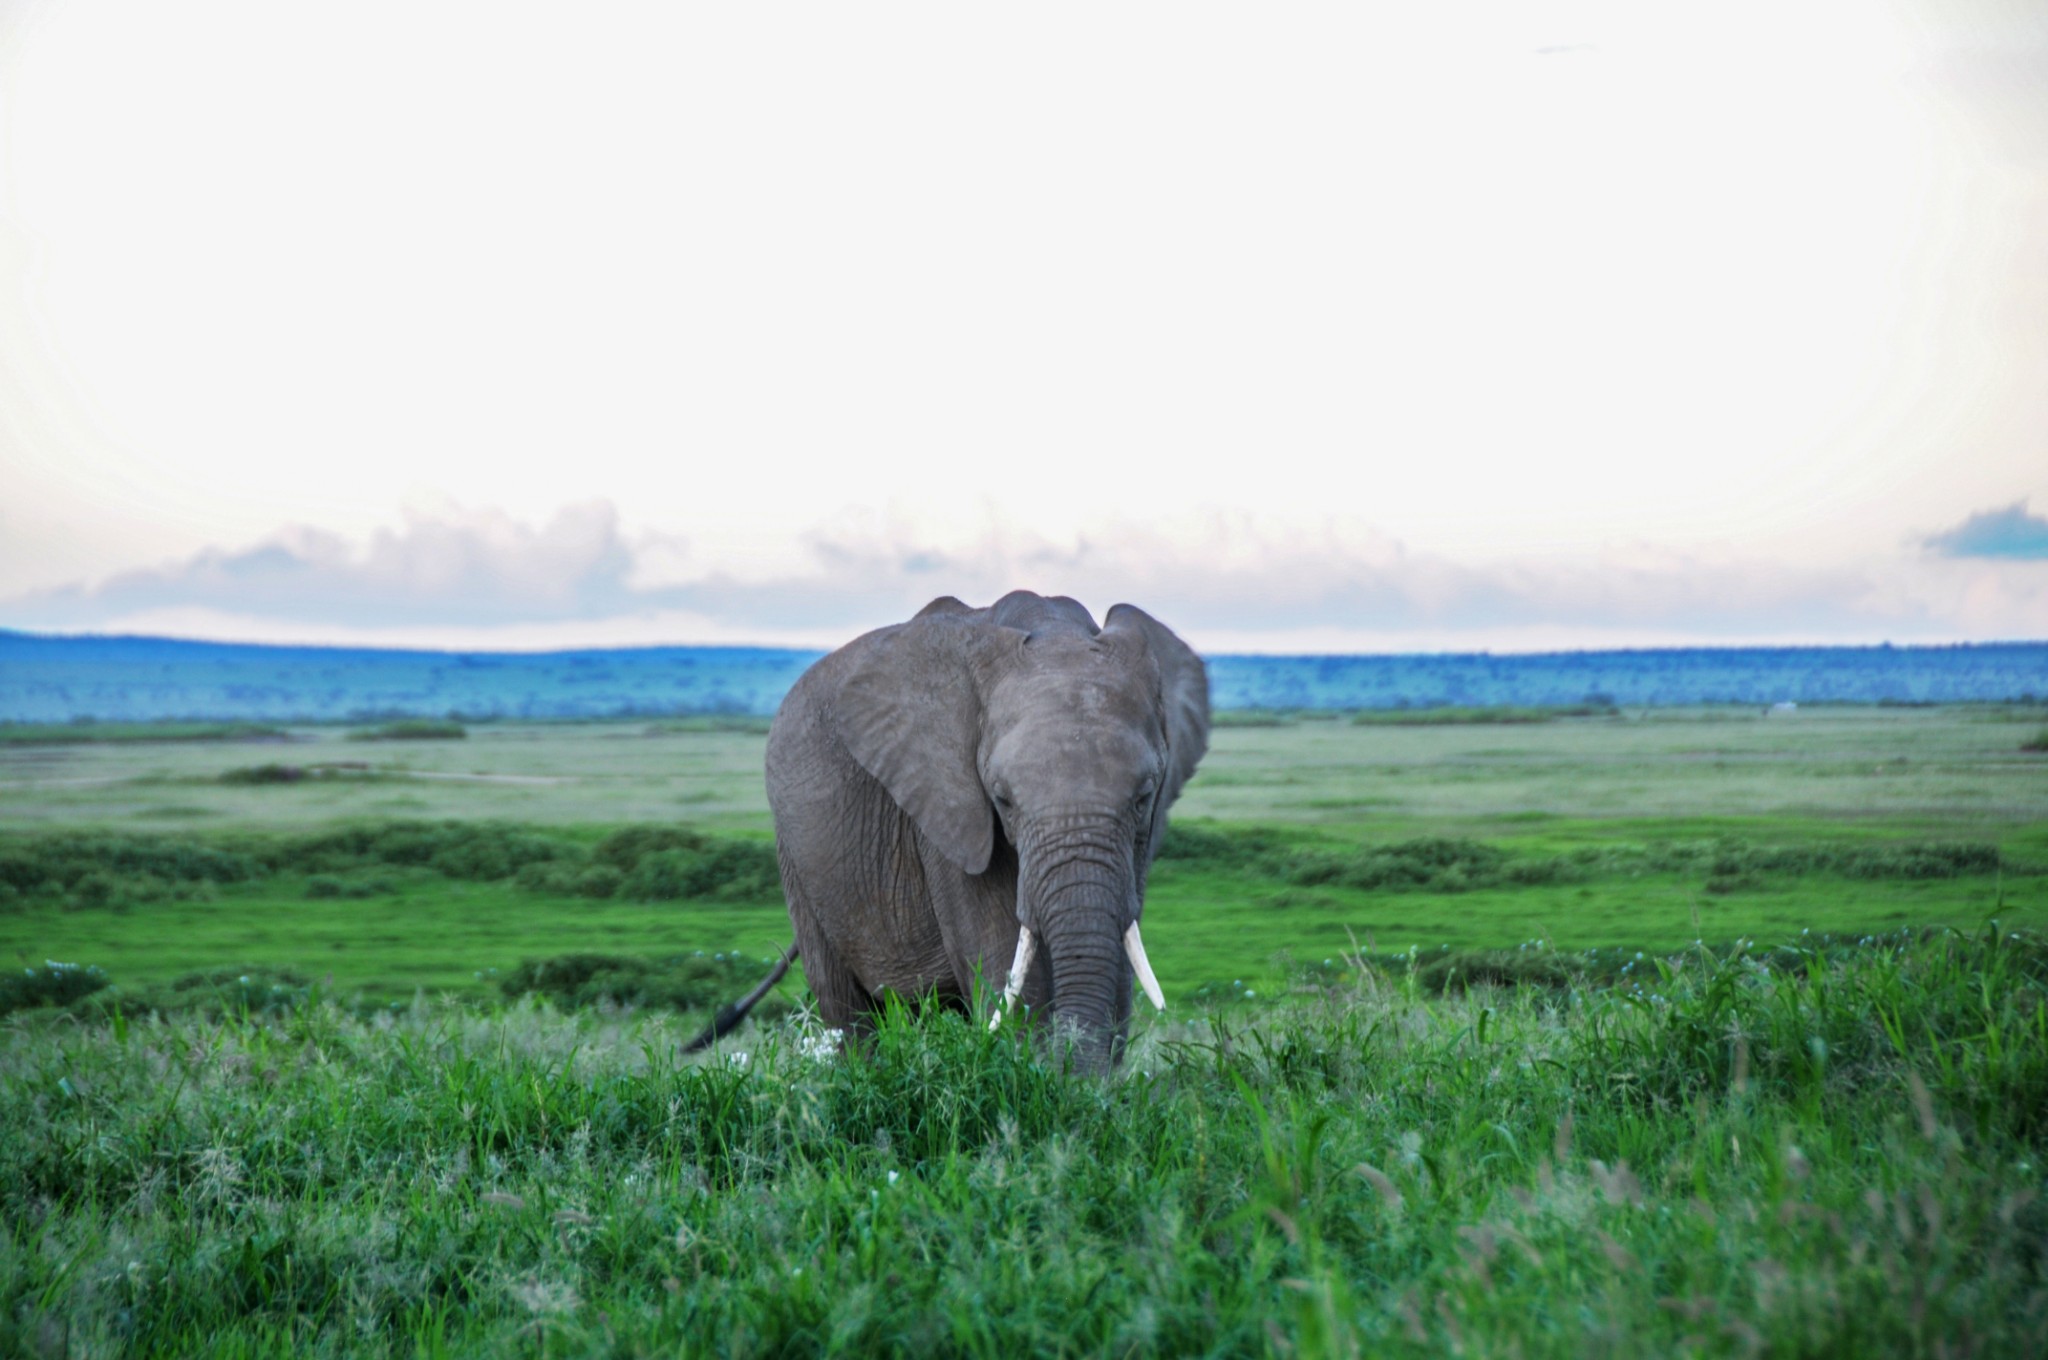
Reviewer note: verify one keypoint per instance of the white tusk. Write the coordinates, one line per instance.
(1020, 964)
(1135, 947)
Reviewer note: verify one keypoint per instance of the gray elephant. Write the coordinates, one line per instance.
(980, 792)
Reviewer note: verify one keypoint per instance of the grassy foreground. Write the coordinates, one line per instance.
(1807, 1156)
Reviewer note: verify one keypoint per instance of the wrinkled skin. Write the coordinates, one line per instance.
(936, 784)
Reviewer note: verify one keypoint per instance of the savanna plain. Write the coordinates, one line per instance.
(1544, 1032)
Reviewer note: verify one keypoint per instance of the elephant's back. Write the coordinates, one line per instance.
(807, 764)
(802, 720)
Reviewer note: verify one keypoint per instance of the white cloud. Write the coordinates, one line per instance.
(482, 578)
(450, 567)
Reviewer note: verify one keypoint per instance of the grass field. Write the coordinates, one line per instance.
(1619, 1034)
(1640, 810)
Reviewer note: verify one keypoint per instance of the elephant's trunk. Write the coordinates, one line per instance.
(1080, 896)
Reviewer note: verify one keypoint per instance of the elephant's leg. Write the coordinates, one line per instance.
(843, 1003)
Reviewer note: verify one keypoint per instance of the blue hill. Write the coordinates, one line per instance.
(136, 679)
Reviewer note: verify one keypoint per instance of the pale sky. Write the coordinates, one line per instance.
(1307, 327)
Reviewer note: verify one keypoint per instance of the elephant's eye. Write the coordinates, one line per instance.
(1002, 797)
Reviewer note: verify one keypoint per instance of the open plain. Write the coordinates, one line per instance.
(1713, 1031)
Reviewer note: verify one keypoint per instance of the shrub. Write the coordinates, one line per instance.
(263, 774)
(322, 887)
(554, 877)
(1215, 847)
(597, 881)
(683, 982)
(114, 870)
(2037, 742)
(412, 729)
(53, 984)
(728, 869)
(104, 888)
(217, 992)
(1431, 862)
(625, 848)
(571, 878)
(1451, 973)
(475, 851)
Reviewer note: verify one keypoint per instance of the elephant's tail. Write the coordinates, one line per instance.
(729, 1017)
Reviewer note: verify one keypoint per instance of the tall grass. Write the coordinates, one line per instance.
(1826, 1154)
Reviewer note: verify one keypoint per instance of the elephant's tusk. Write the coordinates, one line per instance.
(1135, 947)
(1027, 945)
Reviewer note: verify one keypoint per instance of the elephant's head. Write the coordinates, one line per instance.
(1024, 730)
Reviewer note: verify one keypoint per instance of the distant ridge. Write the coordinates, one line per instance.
(141, 679)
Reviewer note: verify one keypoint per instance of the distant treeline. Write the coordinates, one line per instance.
(128, 679)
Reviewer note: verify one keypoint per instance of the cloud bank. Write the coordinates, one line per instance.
(1228, 581)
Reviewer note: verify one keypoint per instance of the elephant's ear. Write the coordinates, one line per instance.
(1183, 692)
(910, 712)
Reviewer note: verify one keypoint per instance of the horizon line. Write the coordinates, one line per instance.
(8, 631)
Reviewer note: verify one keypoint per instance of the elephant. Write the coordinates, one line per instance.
(979, 794)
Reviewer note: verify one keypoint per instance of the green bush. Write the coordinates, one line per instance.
(1448, 974)
(738, 870)
(412, 729)
(1441, 864)
(557, 878)
(571, 878)
(473, 851)
(1436, 862)
(1742, 864)
(625, 848)
(597, 881)
(330, 887)
(1208, 846)
(104, 888)
(58, 864)
(53, 984)
(212, 994)
(263, 774)
(683, 982)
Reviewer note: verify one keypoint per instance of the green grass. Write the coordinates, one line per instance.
(382, 909)
(1444, 1070)
(1810, 1156)
(385, 908)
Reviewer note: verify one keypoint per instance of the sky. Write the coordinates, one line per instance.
(1321, 328)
